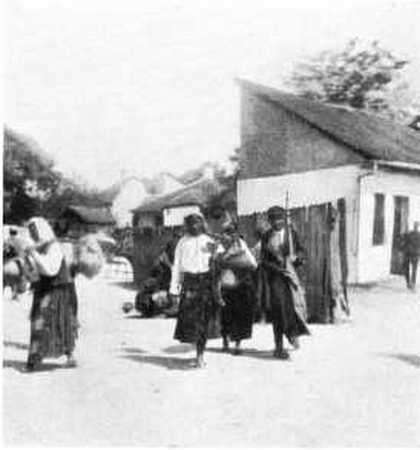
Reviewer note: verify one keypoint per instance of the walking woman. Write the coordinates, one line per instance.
(54, 308)
(193, 278)
(237, 267)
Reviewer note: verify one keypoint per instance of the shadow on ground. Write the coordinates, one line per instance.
(179, 348)
(248, 353)
(20, 366)
(413, 360)
(133, 350)
(168, 362)
(16, 345)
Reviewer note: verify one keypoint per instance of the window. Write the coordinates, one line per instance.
(379, 220)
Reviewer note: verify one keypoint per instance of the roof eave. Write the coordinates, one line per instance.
(398, 165)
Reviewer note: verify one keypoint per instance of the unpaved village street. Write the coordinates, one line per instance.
(354, 384)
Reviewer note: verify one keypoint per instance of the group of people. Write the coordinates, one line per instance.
(51, 266)
(214, 279)
(217, 282)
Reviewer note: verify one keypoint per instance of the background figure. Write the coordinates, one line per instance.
(281, 293)
(194, 280)
(411, 250)
(238, 265)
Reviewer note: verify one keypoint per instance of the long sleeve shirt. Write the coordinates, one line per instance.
(192, 255)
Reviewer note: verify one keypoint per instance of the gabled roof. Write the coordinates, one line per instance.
(198, 193)
(371, 136)
(98, 216)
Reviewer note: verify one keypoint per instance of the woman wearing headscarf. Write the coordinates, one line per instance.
(237, 266)
(54, 310)
(193, 279)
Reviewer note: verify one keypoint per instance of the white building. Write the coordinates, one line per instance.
(321, 154)
(132, 192)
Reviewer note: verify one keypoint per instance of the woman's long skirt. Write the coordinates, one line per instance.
(238, 313)
(198, 315)
(53, 323)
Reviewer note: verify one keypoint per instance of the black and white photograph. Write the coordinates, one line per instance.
(211, 223)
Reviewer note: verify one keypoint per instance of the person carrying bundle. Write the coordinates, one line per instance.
(54, 309)
(237, 265)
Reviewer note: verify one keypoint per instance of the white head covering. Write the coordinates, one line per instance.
(45, 232)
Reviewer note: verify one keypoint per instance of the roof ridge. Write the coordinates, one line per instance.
(370, 135)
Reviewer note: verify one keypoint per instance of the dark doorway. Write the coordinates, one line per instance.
(401, 209)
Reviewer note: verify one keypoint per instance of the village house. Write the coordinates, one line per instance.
(362, 166)
(159, 218)
(131, 191)
(76, 221)
(169, 210)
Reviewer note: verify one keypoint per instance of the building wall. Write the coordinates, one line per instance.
(175, 216)
(275, 142)
(131, 196)
(374, 262)
(307, 188)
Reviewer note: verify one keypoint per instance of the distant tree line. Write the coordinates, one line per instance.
(32, 185)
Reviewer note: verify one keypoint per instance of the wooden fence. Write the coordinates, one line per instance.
(321, 229)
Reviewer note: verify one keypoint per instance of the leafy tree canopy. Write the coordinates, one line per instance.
(362, 76)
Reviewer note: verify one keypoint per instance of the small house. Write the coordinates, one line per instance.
(328, 158)
(77, 221)
(160, 218)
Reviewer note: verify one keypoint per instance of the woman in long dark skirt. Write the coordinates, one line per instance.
(54, 308)
(193, 278)
(237, 289)
(54, 323)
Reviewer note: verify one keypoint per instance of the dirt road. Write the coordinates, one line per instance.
(357, 384)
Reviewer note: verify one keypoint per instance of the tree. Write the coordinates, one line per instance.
(29, 178)
(33, 187)
(361, 76)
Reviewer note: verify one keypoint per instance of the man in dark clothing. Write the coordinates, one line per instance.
(280, 290)
(411, 248)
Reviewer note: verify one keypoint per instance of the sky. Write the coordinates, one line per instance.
(112, 87)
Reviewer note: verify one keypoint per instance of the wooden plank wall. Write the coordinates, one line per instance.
(313, 225)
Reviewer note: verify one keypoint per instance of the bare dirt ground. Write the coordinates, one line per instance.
(355, 384)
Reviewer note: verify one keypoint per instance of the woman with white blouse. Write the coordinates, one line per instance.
(194, 280)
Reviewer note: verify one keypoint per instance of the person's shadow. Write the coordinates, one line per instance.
(248, 353)
(20, 366)
(411, 359)
(168, 362)
(179, 348)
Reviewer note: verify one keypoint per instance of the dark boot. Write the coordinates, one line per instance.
(280, 352)
(225, 344)
(237, 350)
